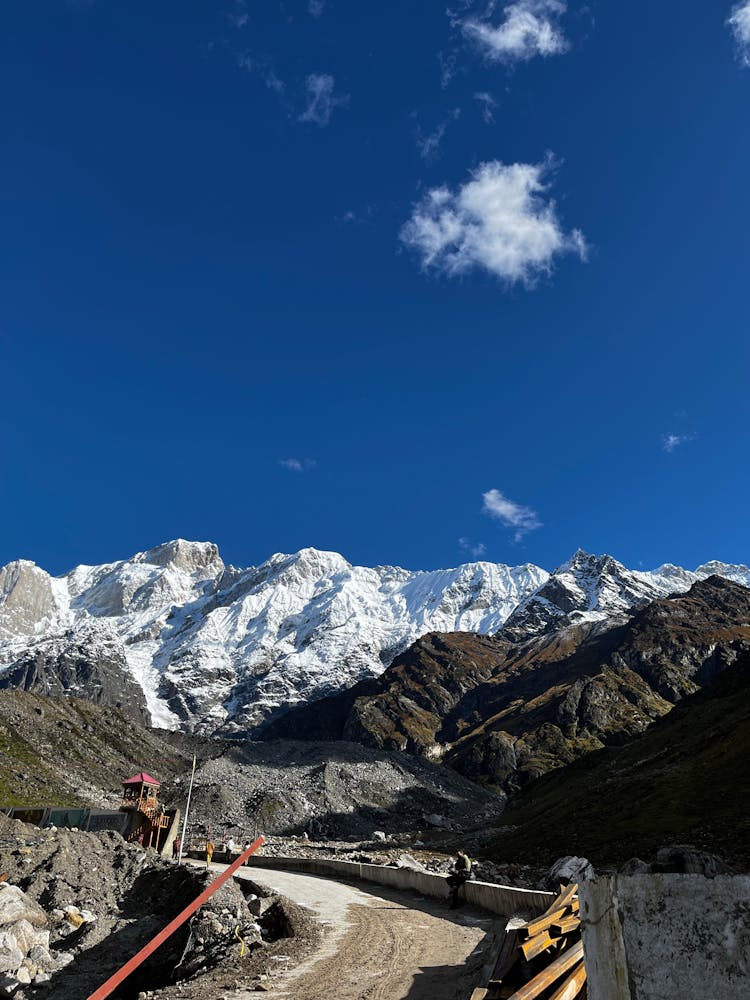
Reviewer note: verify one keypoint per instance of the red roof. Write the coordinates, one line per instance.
(141, 779)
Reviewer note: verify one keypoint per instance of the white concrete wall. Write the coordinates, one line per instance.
(504, 900)
(667, 937)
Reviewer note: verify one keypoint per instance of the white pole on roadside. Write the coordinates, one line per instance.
(187, 810)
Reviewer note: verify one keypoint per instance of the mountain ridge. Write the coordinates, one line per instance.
(178, 638)
(504, 712)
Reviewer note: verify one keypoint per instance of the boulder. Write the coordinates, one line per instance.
(435, 819)
(635, 867)
(379, 835)
(258, 906)
(11, 955)
(26, 936)
(23, 976)
(16, 905)
(683, 859)
(566, 870)
(41, 958)
(407, 861)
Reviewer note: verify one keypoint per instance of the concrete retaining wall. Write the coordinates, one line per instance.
(501, 899)
(667, 937)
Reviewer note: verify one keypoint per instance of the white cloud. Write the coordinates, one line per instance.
(499, 221)
(739, 22)
(316, 7)
(321, 99)
(447, 67)
(529, 28)
(264, 67)
(475, 549)
(671, 441)
(298, 464)
(487, 105)
(239, 16)
(509, 513)
(429, 144)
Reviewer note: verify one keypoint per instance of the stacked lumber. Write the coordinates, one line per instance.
(541, 960)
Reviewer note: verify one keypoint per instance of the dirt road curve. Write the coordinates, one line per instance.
(380, 944)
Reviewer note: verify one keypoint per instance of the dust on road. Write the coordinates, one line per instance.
(379, 945)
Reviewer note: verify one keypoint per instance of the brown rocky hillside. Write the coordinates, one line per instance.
(505, 712)
(684, 780)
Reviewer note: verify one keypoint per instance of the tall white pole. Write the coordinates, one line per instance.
(187, 810)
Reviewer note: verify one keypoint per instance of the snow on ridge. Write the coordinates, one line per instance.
(218, 646)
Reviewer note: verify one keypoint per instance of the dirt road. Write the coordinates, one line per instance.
(379, 945)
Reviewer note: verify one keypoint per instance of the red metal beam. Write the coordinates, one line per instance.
(122, 974)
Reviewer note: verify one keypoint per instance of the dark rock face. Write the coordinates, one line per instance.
(506, 712)
(683, 781)
(95, 671)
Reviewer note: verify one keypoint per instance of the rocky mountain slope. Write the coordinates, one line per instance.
(175, 637)
(504, 712)
(68, 752)
(684, 780)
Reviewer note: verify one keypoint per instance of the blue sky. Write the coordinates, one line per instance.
(405, 282)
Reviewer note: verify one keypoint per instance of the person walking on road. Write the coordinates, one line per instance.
(209, 852)
(460, 874)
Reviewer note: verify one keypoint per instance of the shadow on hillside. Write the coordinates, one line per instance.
(392, 812)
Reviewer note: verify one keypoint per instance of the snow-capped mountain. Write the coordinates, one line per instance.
(174, 634)
(214, 646)
(590, 588)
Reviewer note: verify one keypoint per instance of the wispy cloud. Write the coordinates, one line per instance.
(357, 218)
(428, 143)
(500, 221)
(447, 61)
(263, 66)
(239, 16)
(529, 28)
(511, 514)
(739, 22)
(321, 99)
(298, 464)
(487, 105)
(671, 441)
(316, 7)
(475, 549)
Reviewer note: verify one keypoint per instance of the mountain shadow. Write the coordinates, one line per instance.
(684, 780)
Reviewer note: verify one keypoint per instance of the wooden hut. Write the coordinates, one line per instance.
(140, 796)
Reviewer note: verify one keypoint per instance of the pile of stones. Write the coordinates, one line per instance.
(25, 955)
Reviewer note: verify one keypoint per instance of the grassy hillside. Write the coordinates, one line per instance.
(685, 780)
(67, 752)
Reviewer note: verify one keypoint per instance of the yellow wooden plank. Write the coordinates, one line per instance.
(549, 976)
(572, 986)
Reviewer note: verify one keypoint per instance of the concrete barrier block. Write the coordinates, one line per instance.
(504, 900)
(667, 937)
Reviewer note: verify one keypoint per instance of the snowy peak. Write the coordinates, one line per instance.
(737, 573)
(222, 649)
(219, 647)
(200, 558)
(593, 588)
(27, 599)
